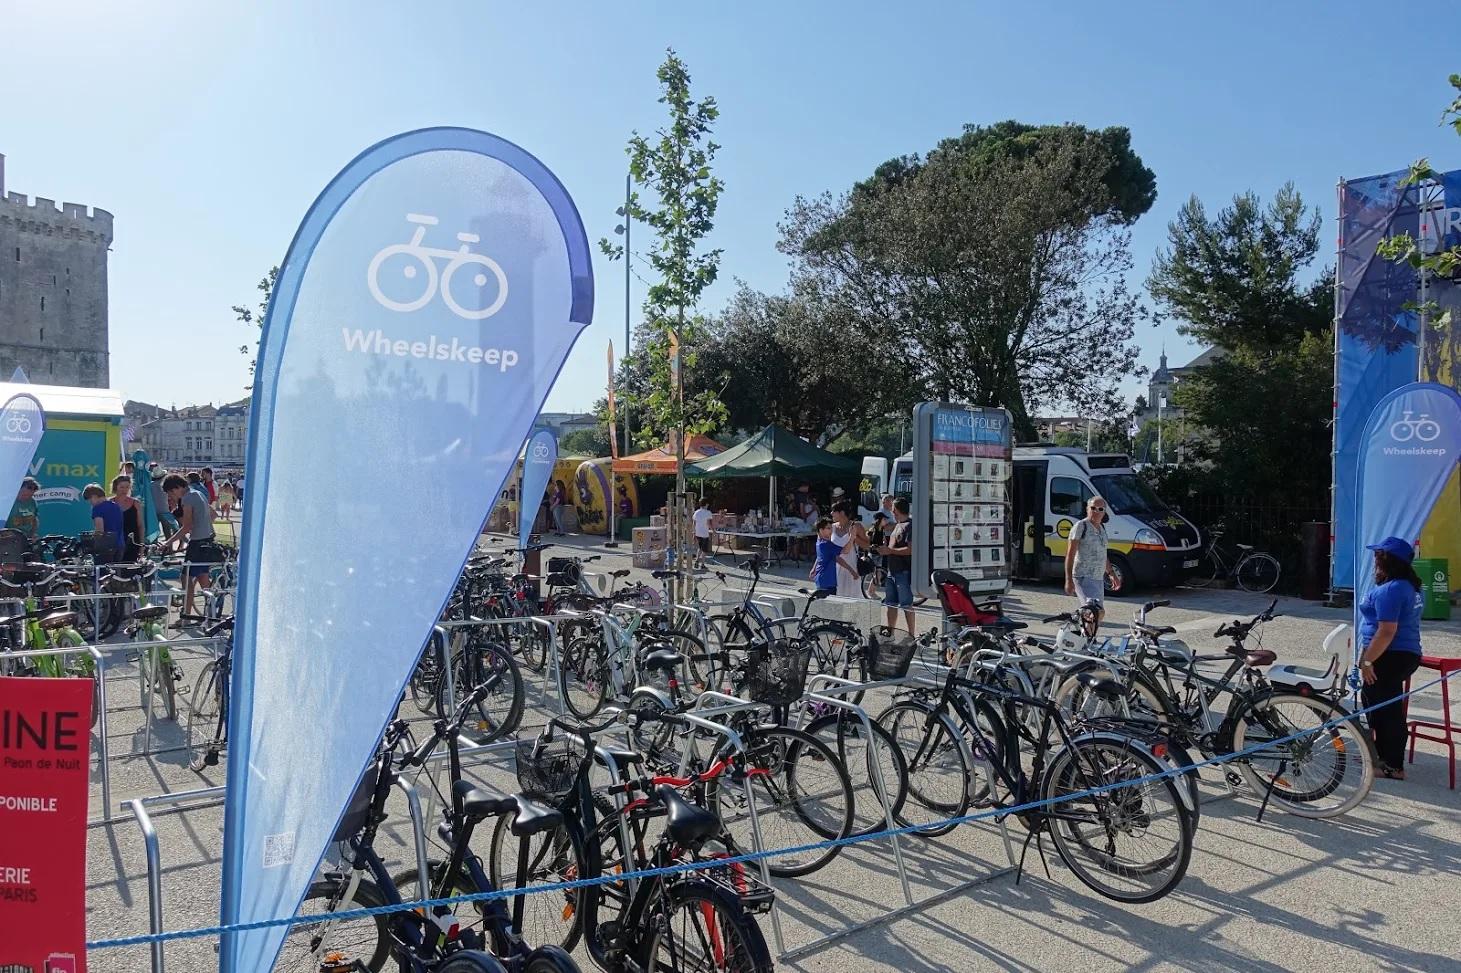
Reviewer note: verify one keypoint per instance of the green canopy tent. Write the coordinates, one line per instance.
(773, 452)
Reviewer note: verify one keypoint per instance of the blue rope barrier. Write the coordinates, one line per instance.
(747, 857)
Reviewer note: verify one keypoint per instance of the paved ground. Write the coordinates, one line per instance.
(1376, 890)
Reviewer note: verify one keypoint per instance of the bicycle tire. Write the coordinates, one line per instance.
(500, 712)
(937, 766)
(368, 940)
(203, 704)
(1353, 750)
(718, 923)
(872, 583)
(838, 650)
(1258, 573)
(471, 961)
(650, 738)
(1074, 699)
(1128, 808)
(550, 959)
(424, 679)
(803, 796)
(844, 734)
(549, 919)
(532, 645)
(167, 684)
(583, 683)
(1207, 572)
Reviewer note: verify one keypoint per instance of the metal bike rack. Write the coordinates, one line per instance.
(208, 796)
(734, 739)
(103, 744)
(446, 630)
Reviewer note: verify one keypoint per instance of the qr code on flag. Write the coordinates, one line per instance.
(278, 849)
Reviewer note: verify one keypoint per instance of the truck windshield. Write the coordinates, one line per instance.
(1128, 493)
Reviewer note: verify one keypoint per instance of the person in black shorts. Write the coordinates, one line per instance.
(195, 527)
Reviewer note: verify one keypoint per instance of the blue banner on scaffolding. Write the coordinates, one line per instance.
(1377, 348)
(420, 317)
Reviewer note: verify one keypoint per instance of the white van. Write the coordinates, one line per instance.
(1149, 543)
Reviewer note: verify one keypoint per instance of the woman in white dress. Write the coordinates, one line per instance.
(848, 534)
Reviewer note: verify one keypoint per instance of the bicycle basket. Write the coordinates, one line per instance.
(777, 676)
(566, 568)
(547, 770)
(890, 658)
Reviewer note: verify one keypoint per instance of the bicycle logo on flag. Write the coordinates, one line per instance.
(20, 424)
(1422, 430)
(540, 450)
(421, 263)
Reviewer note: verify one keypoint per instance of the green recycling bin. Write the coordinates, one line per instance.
(1435, 588)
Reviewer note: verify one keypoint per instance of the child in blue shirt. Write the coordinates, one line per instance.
(824, 571)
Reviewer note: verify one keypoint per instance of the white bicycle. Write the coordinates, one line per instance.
(1422, 430)
(423, 259)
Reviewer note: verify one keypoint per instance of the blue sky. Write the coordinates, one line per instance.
(207, 129)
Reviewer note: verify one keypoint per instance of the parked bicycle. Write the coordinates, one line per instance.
(1252, 569)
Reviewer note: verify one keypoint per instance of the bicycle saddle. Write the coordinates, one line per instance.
(59, 620)
(1102, 685)
(132, 572)
(557, 579)
(623, 758)
(661, 575)
(479, 804)
(12, 619)
(620, 573)
(1154, 630)
(1177, 654)
(533, 818)
(687, 824)
(663, 659)
(149, 613)
(821, 593)
(1008, 624)
(1260, 657)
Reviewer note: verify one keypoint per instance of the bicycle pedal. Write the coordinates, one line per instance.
(1233, 778)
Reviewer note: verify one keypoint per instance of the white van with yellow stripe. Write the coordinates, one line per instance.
(1149, 543)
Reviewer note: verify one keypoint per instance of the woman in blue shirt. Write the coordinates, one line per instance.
(1390, 641)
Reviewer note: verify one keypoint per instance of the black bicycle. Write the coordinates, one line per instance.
(1124, 835)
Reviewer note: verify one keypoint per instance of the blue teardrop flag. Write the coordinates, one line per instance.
(420, 317)
(22, 424)
(538, 460)
(1409, 450)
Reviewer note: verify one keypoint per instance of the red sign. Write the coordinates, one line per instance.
(45, 759)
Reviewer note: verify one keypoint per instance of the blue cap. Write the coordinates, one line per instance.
(1396, 546)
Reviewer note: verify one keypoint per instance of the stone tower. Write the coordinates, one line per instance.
(53, 290)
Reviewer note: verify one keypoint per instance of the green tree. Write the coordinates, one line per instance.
(1257, 417)
(1440, 263)
(254, 317)
(585, 442)
(675, 166)
(996, 266)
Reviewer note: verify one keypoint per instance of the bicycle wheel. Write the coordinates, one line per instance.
(651, 738)
(166, 676)
(872, 583)
(423, 682)
(1130, 843)
(802, 796)
(497, 714)
(698, 926)
(471, 961)
(583, 677)
(938, 767)
(845, 735)
(350, 944)
(532, 645)
(837, 650)
(1207, 571)
(549, 918)
(1258, 573)
(203, 707)
(1325, 772)
(550, 959)
(1143, 697)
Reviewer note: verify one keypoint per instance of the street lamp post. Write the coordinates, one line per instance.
(623, 230)
(1161, 408)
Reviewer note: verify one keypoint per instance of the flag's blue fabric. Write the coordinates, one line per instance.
(1409, 450)
(538, 460)
(420, 317)
(1376, 348)
(22, 424)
